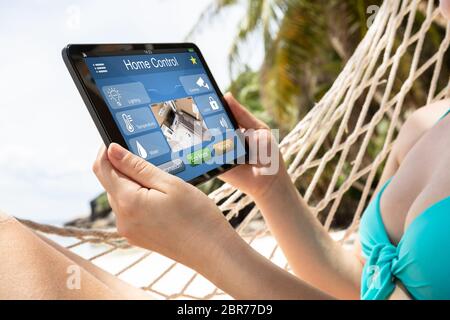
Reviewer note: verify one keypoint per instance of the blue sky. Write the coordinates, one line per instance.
(47, 138)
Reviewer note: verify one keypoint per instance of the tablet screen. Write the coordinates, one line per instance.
(168, 111)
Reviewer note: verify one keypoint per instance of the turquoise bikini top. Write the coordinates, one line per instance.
(421, 260)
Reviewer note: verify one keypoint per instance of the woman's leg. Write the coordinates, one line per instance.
(33, 267)
(126, 290)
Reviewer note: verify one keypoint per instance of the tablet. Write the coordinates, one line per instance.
(161, 102)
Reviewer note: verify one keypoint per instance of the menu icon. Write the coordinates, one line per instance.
(100, 68)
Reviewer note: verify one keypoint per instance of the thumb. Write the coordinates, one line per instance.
(138, 169)
(244, 118)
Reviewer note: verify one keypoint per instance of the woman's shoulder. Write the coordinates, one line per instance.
(416, 125)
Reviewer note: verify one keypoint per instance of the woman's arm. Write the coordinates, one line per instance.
(244, 274)
(313, 255)
(160, 212)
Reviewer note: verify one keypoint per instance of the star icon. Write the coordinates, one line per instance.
(193, 60)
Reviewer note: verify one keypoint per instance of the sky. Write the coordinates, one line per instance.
(48, 141)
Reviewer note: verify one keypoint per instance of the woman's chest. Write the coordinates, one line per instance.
(422, 180)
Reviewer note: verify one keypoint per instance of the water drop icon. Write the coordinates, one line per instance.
(141, 151)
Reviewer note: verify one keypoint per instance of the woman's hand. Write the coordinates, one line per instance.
(255, 179)
(160, 212)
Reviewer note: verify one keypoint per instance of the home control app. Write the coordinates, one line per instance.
(168, 111)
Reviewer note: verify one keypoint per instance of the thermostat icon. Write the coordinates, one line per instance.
(128, 122)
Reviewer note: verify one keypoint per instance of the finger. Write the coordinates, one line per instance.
(114, 182)
(244, 118)
(100, 152)
(139, 169)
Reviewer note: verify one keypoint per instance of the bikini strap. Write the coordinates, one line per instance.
(446, 114)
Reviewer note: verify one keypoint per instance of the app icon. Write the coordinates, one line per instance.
(213, 103)
(150, 145)
(224, 123)
(115, 96)
(219, 122)
(136, 120)
(193, 60)
(202, 83)
(196, 84)
(141, 150)
(128, 122)
(199, 156)
(208, 104)
(125, 95)
(223, 146)
(173, 167)
(99, 67)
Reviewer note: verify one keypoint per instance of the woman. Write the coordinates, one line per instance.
(400, 233)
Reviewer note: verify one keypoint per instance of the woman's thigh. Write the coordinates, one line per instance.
(126, 290)
(33, 267)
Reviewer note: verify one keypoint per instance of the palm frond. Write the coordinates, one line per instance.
(211, 11)
(263, 16)
(289, 55)
(305, 43)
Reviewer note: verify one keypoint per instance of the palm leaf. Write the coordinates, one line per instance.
(212, 10)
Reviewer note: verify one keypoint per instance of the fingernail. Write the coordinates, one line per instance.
(117, 151)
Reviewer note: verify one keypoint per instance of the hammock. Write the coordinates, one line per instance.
(346, 116)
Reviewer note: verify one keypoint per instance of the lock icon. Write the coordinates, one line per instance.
(213, 103)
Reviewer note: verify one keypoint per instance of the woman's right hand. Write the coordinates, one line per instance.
(256, 178)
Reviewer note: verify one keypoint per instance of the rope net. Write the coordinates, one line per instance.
(328, 153)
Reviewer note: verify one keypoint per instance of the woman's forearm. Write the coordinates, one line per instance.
(243, 273)
(313, 255)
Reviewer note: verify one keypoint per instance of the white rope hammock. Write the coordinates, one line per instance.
(367, 90)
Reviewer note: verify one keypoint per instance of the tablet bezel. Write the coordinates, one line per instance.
(74, 55)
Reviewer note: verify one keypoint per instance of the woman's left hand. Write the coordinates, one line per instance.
(160, 212)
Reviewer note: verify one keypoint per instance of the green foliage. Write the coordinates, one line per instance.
(101, 202)
(246, 89)
(306, 44)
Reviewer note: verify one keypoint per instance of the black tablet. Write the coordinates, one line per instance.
(161, 102)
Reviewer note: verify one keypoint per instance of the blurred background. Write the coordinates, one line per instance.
(48, 140)
(278, 57)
